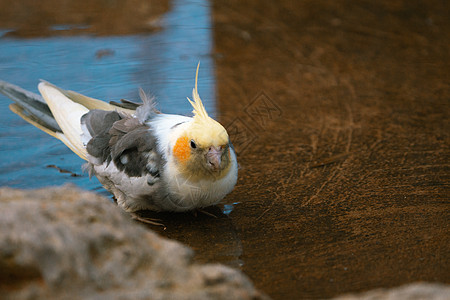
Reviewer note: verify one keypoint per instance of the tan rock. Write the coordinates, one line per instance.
(413, 291)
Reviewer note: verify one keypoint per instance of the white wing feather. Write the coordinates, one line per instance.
(67, 114)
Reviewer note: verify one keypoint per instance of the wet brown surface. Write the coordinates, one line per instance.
(344, 182)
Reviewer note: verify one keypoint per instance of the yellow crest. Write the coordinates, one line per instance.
(199, 110)
(204, 129)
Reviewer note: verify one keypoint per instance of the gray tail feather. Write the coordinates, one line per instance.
(30, 102)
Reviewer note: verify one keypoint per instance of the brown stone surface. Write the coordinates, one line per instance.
(344, 180)
(28, 18)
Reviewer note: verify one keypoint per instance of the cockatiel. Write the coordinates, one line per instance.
(146, 159)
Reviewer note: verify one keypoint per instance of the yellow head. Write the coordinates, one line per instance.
(203, 150)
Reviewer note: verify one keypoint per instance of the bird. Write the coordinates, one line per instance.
(147, 159)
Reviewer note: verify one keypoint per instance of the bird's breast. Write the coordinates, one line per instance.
(189, 194)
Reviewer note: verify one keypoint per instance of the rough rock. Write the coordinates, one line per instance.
(413, 291)
(69, 244)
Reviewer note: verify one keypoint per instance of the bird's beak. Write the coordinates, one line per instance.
(213, 157)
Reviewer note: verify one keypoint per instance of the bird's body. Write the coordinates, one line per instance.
(148, 160)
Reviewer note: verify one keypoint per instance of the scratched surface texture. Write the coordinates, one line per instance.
(340, 114)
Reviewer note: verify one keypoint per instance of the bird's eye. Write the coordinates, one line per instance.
(193, 145)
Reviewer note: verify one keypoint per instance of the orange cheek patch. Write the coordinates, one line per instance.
(181, 150)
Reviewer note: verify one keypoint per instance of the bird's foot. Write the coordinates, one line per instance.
(204, 212)
(145, 220)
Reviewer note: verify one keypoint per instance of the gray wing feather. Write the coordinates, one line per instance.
(124, 140)
(98, 123)
(134, 152)
(125, 104)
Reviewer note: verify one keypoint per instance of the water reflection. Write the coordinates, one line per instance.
(228, 208)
